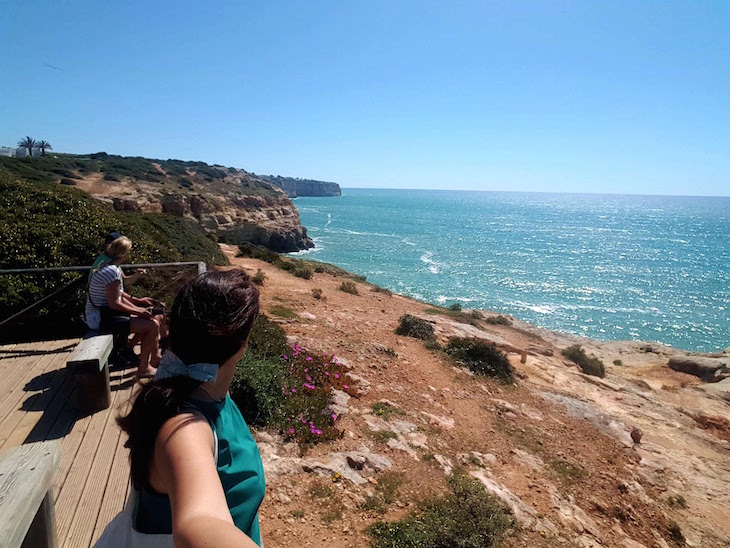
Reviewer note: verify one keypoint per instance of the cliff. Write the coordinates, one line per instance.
(231, 203)
(635, 459)
(303, 187)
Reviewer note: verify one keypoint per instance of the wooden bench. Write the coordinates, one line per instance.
(27, 515)
(89, 363)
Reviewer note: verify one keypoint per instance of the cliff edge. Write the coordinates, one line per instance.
(295, 187)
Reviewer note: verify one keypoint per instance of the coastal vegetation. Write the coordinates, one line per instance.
(590, 365)
(467, 516)
(413, 326)
(480, 357)
(259, 277)
(286, 388)
(171, 174)
(44, 225)
(349, 287)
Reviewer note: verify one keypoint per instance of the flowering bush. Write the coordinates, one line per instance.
(308, 394)
(285, 387)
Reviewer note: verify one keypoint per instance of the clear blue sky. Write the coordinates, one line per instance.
(594, 96)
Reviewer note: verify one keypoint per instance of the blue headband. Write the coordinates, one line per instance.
(172, 366)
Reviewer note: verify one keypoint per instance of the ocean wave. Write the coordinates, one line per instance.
(407, 242)
(433, 266)
(329, 219)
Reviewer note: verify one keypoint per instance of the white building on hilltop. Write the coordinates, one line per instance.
(19, 152)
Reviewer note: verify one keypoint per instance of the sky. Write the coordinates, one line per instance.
(570, 96)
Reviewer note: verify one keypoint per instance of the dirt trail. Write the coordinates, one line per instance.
(558, 442)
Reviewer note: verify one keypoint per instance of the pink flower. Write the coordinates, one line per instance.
(309, 378)
(291, 430)
(327, 373)
(306, 370)
(304, 421)
(286, 357)
(293, 389)
(318, 432)
(337, 375)
(334, 416)
(346, 386)
(309, 358)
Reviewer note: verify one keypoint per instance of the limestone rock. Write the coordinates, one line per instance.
(697, 365)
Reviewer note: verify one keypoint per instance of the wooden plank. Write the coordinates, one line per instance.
(89, 505)
(91, 354)
(26, 474)
(22, 421)
(72, 488)
(16, 369)
(115, 494)
(54, 410)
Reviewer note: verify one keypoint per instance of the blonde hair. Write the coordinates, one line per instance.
(120, 248)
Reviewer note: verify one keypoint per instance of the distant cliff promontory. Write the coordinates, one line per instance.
(303, 187)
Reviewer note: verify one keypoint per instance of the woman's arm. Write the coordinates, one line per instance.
(117, 302)
(184, 468)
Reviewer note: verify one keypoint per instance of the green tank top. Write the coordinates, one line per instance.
(239, 467)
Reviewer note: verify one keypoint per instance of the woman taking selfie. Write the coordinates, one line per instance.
(197, 473)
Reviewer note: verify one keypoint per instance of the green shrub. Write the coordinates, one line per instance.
(349, 287)
(411, 326)
(589, 365)
(283, 312)
(359, 277)
(481, 357)
(259, 277)
(303, 272)
(67, 182)
(385, 410)
(378, 289)
(467, 517)
(456, 307)
(111, 177)
(498, 320)
(433, 344)
(385, 493)
(284, 387)
(617, 362)
(317, 293)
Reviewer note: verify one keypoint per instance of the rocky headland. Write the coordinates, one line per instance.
(638, 458)
(230, 203)
(295, 187)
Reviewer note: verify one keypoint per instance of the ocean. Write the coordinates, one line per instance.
(608, 267)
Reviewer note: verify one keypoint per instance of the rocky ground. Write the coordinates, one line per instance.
(639, 458)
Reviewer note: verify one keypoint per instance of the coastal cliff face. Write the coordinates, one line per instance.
(303, 187)
(230, 203)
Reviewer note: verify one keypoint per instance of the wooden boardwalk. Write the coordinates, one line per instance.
(37, 402)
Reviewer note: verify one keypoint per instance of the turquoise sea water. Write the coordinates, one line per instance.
(653, 268)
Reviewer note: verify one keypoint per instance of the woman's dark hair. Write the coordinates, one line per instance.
(211, 320)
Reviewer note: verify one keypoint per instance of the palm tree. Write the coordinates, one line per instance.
(43, 145)
(28, 143)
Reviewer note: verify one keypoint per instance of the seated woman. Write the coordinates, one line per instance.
(110, 310)
(104, 258)
(196, 470)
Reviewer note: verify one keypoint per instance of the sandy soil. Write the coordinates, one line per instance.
(557, 444)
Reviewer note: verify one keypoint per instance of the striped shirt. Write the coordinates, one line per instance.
(99, 281)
